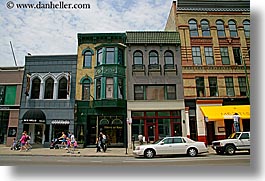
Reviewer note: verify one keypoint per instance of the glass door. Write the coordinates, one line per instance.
(151, 130)
(176, 128)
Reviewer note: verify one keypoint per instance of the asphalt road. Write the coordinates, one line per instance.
(205, 160)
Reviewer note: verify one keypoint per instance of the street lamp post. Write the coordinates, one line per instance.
(206, 121)
(129, 122)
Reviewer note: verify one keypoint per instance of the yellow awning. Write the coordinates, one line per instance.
(225, 112)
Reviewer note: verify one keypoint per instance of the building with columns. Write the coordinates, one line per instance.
(215, 61)
(47, 97)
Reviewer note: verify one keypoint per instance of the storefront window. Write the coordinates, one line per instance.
(80, 134)
(164, 113)
(112, 127)
(176, 113)
(150, 113)
(163, 127)
(4, 117)
(155, 125)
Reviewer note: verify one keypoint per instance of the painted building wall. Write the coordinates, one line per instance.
(139, 41)
(105, 106)
(55, 109)
(82, 72)
(10, 77)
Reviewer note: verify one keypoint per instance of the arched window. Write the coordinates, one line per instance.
(87, 63)
(205, 28)
(246, 24)
(153, 58)
(168, 58)
(193, 28)
(49, 89)
(232, 28)
(35, 90)
(220, 28)
(86, 89)
(137, 58)
(62, 90)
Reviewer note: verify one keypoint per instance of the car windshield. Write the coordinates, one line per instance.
(234, 136)
(157, 141)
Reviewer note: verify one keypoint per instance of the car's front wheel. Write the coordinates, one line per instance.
(149, 153)
(230, 150)
(192, 152)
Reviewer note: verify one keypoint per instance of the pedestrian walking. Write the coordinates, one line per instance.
(23, 141)
(28, 145)
(98, 144)
(72, 142)
(14, 143)
(104, 142)
(64, 140)
(140, 138)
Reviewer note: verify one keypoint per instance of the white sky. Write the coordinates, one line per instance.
(49, 31)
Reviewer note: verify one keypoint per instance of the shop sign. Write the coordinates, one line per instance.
(60, 121)
(230, 115)
(33, 121)
(112, 127)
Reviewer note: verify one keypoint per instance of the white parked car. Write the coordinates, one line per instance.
(171, 146)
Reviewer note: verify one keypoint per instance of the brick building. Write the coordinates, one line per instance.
(215, 59)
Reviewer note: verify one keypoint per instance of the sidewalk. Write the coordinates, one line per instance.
(85, 152)
(89, 152)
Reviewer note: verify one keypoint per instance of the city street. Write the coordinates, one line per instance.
(203, 160)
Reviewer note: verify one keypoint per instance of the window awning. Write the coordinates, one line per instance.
(225, 112)
(34, 116)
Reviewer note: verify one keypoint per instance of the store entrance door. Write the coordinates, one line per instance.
(151, 130)
(176, 129)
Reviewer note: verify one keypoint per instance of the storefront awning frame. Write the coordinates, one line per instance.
(225, 112)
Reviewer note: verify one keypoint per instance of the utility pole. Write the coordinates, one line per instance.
(13, 54)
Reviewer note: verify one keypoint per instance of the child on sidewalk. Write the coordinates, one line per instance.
(13, 146)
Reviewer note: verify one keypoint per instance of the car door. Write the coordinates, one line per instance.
(179, 146)
(165, 147)
(244, 141)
